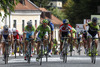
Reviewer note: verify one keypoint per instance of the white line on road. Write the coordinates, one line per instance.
(52, 59)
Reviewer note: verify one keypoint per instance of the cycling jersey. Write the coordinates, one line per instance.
(6, 34)
(16, 35)
(65, 29)
(29, 32)
(42, 31)
(93, 29)
(51, 26)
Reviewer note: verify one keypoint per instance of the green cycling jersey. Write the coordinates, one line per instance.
(42, 31)
(28, 29)
(73, 30)
(93, 29)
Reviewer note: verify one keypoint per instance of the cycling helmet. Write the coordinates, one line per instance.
(5, 27)
(45, 21)
(14, 30)
(65, 21)
(29, 23)
(94, 19)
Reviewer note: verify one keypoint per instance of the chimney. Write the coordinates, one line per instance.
(22, 2)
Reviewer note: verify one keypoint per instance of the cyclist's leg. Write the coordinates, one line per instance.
(26, 42)
(96, 43)
(61, 44)
(38, 43)
(89, 42)
(12, 46)
(74, 41)
(96, 40)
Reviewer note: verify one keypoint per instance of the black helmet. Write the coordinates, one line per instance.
(94, 19)
(5, 27)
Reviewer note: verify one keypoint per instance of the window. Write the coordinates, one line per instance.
(59, 3)
(23, 25)
(35, 23)
(55, 33)
(14, 24)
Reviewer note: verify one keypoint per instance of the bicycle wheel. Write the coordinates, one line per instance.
(65, 57)
(6, 55)
(79, 49)
(93, 53)
(23, 49)
(65, 53)
(15, 49)
(46, 55)
(41, 55)
(29, 53)
(71, 48)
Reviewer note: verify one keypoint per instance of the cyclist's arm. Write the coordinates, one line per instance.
(60, 34)
(99, 34)
(84, 26)
(52, 34)
(49, 37)
(35, 34)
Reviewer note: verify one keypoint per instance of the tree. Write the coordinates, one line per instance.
(69, 11)
(41, 3)
(57, 12)
(7, 5)
(77, 10)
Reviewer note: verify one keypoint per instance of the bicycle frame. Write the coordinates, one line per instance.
(6, 51)
(65, 48)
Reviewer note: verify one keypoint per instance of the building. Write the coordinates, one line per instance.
(25, 11)
(47, 15)
(55, 4)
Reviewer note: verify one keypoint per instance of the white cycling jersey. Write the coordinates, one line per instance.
(2, 32)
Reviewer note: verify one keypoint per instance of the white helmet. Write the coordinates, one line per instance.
(14, 30)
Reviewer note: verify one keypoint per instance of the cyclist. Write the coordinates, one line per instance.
(64, 31)
(93, 31)
(52, 30)
(74, 36)
(28, 33)
(84, 38)
(6, 33)
(16, 35)
(79, 39)
(44, 33)
(55, 47)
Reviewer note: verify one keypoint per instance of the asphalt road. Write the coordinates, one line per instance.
(54, 61)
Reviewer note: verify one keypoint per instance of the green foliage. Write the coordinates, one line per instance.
(7, 5)
(41, 3)
(57, 12)
(78, 10)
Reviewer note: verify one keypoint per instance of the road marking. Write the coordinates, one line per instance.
(52, 59)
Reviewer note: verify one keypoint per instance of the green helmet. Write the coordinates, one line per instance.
(45, 21)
